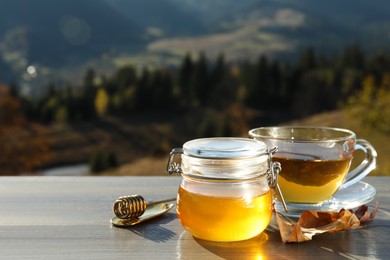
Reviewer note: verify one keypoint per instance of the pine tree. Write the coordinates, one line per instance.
(258, 90)
(307, 60)
(353, 57)
(143, 91)
(126, 77)
(186, 88)
(86, 102)
(200, 79)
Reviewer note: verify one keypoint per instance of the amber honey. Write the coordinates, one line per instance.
(305, 179)
(224, 218)
(225, 191)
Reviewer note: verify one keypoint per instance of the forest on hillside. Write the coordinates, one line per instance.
(312, 84)
(279, 90)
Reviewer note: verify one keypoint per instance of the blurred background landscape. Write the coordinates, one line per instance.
(109, 87)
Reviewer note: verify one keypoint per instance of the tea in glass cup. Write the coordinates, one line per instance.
(315, 160)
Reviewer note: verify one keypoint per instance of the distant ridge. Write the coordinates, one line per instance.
(62, 37)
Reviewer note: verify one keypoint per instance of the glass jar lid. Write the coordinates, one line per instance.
(226, 159)
(224, 148)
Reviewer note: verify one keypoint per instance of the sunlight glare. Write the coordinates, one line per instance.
(32, 71)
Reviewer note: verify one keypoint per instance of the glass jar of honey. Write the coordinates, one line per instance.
(225, 191)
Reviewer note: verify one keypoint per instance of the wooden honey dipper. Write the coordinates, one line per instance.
(133, 206)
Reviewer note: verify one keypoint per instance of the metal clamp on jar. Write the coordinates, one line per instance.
(225, 191)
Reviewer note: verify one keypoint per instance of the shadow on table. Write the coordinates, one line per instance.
(350, 244)
(188, 246)
(248, 249)
(153, 229)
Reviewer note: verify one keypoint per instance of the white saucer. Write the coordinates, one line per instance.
(349, 198)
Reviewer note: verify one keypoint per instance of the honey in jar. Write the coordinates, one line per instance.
(224, 194)
(222, 218)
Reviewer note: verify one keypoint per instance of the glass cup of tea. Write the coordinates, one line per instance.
(315, 160)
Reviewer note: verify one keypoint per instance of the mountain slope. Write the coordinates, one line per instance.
(54, 32)
(166, 16)
(277, 27)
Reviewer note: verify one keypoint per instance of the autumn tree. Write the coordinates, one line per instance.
(371, 105)
(101, 101)
(23, 145)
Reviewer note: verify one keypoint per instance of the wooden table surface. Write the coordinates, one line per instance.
(69, 218)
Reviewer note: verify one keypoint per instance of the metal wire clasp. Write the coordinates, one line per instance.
(274, 169)
(172, 166)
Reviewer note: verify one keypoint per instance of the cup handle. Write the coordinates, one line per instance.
(367, 165)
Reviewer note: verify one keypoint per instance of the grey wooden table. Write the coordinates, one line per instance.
(69, 218)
